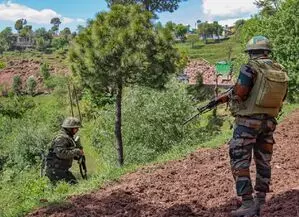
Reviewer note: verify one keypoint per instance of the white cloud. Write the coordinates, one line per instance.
(228, 8)
(11, 12)
(79, 20)
(231, 22)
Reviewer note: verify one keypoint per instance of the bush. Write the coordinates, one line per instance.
(2, 65)
(31, 85)
(152, 124)
(17, 85)
(45, 71)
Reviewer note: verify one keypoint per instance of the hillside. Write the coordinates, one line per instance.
(26, 64)
(199, 185)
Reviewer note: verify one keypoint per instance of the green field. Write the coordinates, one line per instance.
(213, 51)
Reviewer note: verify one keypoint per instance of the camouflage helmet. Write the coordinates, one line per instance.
(71, 122)
(258, 43)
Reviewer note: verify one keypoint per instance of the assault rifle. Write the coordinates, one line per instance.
(211, 105)
(81, 160)
(82, 166)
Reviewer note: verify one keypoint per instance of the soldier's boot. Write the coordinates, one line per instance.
(260, 200)
(248, 209)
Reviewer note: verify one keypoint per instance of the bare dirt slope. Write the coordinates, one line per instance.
(200, 185)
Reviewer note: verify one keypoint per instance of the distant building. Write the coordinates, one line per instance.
(24, 42)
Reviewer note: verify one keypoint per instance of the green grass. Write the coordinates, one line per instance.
(212, 52)
(57, 59)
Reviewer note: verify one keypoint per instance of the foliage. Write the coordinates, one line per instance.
(206, 30)
(6, 39)
(193, 38)
(180, 31)
(55, 21)
(122, 48)
(66, 33)
(152, 123)
(199, 92)
(20, 23)
(2, 65)
(281, 29)
(43, 39)
(60, 43)
(252, 27)
(239, 23)
(17, 84)
(26, 31)
(16, 107)
(212, 52)
(268, 7)
(45, 71)
(153, 5)
(31, 85)
(134, 53)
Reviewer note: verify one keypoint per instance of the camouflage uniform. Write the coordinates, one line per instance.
(253, 133)
(60, 157)
(255, 110)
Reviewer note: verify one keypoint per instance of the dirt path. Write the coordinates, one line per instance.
(200, 185)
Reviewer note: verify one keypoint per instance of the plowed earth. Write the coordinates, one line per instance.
(200, 185)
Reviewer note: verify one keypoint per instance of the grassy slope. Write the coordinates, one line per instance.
(100, 172)
(212, 52)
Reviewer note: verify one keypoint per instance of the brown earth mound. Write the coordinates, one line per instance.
(207, 71)
(200, 185)
(25, 69)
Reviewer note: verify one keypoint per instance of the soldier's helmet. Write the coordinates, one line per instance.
(71, 122)
(258, 43)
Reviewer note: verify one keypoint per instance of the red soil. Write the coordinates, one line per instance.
(207, 71)
(25, 69)
(200, 185)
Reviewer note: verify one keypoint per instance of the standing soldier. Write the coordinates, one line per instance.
(255, 101)
(62, 152)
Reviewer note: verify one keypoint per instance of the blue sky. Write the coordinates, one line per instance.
(75, 12)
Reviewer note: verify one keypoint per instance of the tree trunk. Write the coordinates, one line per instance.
(146, 4)
(118, 134)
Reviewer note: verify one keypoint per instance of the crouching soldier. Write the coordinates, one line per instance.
(62, 152)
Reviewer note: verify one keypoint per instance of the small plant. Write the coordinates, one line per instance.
(2, 65)
(17, 85)
(45, 71)
(31, 85)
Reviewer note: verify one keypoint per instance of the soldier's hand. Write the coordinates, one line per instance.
(81, 152)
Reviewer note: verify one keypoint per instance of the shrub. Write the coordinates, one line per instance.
(17, 84)
(152, 124)
(2, 65)
(45, 71)
(31, 85)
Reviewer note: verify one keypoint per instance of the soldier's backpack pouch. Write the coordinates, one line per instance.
(273, 84)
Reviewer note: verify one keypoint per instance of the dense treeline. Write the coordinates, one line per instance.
(279, 22)
(40, 39)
